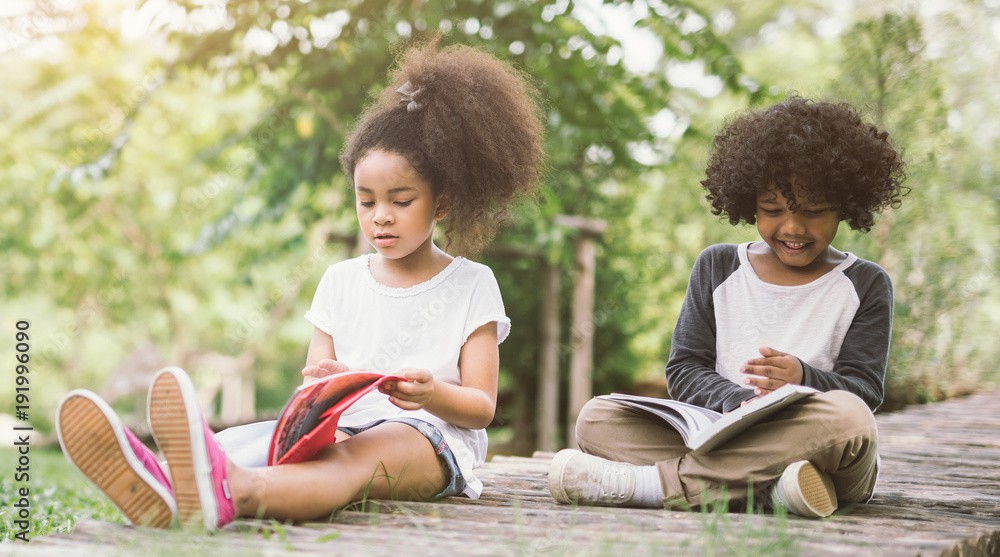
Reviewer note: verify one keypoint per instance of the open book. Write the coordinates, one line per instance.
(309, 420)
(704, 429)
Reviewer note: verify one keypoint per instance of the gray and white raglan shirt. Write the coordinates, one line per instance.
(837, 325)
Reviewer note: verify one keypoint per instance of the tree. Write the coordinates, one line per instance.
(941, 247)
(598, 114)
(212, 191)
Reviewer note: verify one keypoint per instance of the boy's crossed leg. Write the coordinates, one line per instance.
(834, 431)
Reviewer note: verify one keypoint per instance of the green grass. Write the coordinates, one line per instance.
(753, 535)
(59, 495)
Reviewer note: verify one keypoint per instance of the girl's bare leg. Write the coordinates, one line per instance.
(389, 461)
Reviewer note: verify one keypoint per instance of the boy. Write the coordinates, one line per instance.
(789, 309)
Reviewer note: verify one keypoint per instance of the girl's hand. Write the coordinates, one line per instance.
(414, 393)
(322, 369)
(774, 369)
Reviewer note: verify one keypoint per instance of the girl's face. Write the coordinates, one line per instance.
(396, 207)
(800, 239)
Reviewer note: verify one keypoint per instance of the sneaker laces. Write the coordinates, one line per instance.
(617, 483)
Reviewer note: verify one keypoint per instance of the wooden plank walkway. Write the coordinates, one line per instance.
(939, 494)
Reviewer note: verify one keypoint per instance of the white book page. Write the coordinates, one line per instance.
(704, 429)
(743, 417)
(686, 418)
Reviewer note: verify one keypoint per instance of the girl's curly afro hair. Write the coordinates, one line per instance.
(474, 131)
(832, 154)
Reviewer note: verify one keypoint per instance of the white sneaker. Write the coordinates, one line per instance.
(583, 479)
(806, 491)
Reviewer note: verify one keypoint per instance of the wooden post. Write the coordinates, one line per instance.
(547, 413)
(582, 360)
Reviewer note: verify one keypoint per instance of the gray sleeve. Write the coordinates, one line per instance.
(691, 374)
(864, 355)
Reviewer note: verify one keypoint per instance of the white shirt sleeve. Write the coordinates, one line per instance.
(486, 306)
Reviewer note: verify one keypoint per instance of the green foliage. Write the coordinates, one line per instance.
(208, 237)
(183, 190)
(940, 247)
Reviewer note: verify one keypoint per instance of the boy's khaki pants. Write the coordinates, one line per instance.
(835, 431)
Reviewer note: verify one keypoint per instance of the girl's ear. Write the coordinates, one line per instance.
(442, 208)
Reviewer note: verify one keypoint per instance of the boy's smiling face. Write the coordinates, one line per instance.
(800, 239)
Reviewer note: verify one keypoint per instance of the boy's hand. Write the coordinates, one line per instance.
(322, 369)
(775, 369)
(414, 393)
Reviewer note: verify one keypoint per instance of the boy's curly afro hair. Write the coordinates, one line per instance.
(834, 156)
(475, 133)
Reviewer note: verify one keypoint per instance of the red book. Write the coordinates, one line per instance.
(309, 420)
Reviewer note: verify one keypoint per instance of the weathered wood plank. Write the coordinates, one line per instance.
(939, 494)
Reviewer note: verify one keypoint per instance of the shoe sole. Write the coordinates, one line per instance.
(817, 491)
(93, 442)
(175, 419)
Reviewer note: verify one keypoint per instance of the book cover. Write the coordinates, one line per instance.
(703, 429)
(309, 420)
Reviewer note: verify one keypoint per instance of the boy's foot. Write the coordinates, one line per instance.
(197, 462)
(583, 479)
(806, 491)
(110, 456)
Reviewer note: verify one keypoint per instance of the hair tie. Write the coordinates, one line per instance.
(410, 96)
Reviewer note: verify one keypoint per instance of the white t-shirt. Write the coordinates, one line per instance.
(808, 320)
(838, 325)
(378, 328)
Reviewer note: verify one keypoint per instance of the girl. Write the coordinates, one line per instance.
(789, 309)
(455, 138)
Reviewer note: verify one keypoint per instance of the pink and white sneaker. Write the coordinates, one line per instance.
(114, 459)
(197, 462)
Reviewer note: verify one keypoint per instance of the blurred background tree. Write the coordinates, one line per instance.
(171, 192)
